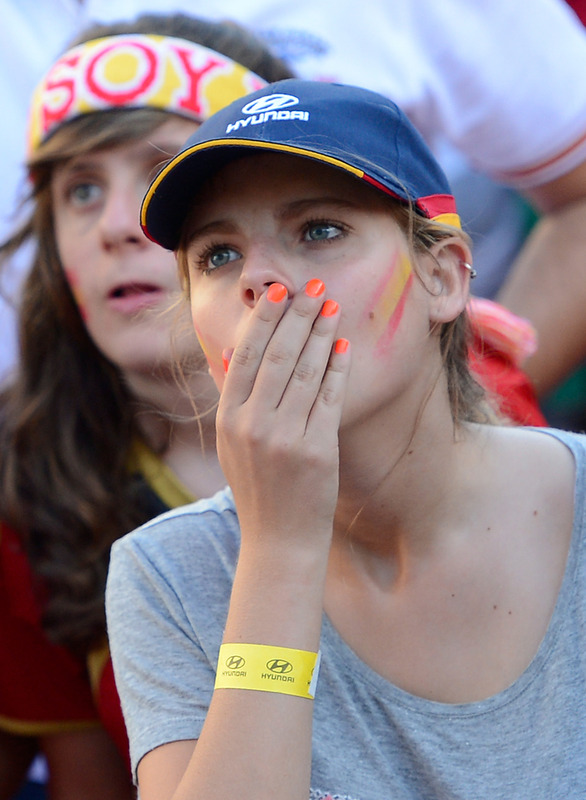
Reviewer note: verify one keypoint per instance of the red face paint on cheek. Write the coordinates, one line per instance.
(214, 359)
(73, 282)
(388, 301)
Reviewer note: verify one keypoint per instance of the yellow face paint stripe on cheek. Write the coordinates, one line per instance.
(201, 344)
(204, 349)
(389, 301)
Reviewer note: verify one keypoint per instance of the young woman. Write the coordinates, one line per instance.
(388, 602)
(96, 433)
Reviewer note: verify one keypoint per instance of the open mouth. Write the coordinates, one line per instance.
(133, 289)
(129, 298)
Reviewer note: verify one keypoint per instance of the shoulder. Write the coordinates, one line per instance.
(573, 441)
(539, 471)
(524, 468)
(187, 541)
(543, 449)
(544, 437)
(184, 520)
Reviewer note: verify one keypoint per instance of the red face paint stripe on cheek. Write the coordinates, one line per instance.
(73, 282)
(395, 319)
(388, 300)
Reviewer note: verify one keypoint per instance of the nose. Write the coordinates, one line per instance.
(119, 220)
(260, 271)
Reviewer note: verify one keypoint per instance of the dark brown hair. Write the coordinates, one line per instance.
(67, 419)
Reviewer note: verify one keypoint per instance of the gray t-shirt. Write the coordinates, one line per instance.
(167, 600)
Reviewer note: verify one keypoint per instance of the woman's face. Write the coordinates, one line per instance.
(123, 283)
(275, 218)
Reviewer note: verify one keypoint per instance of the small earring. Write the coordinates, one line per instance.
(470, 269)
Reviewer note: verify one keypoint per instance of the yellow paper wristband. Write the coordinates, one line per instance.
(268, 669)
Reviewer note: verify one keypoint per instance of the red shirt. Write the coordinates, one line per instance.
(43, 688)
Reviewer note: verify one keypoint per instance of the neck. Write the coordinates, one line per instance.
(179, 424)
(398, 480)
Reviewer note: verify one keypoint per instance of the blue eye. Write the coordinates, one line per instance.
(82, 194)
(321, 231)
(221, 257)
(214, 257)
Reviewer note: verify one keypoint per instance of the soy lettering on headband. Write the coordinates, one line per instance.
(137, 70)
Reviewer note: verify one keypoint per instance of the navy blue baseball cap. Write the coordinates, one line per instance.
(352, 129)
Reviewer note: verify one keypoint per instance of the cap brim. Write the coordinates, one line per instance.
(171, 194)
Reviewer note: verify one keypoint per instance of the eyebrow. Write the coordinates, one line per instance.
(77, 164)
(217, 226)
(288, 212)
(146, 151)
(297, 207)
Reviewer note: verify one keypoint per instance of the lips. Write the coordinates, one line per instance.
(130, 298)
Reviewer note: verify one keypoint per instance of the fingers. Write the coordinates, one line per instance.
(330, 398)
(312, 376)
(287, 356)
(279, 414)
(245, 360)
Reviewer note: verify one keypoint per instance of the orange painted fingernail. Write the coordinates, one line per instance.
(329, 308)
(341, 346)
(315, 287)
(276, 292)
(226, 356)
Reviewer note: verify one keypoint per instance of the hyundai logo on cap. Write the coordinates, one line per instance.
(273, 103)
(348, 128)
(265, 108)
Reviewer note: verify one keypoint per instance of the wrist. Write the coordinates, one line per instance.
(277, 600)
(268, 668)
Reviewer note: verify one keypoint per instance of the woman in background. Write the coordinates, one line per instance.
(96, 432)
